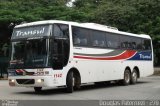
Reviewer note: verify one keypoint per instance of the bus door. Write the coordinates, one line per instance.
(57, 54)
(60, 46)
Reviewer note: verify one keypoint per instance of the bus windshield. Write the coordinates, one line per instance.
(29, 54)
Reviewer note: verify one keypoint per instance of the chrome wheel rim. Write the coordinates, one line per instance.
(73, 81)
(127, 77)
(134, 76)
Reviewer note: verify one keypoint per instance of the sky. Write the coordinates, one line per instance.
(70, 3)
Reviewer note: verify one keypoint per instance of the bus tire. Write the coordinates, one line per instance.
(37, 89)
(127, 77)
(77, 82)
(134, 76)
(69, 82)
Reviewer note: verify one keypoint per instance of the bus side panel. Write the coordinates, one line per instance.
(94, 70)
(97, 69)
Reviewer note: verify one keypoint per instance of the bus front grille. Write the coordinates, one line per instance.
(25, 81)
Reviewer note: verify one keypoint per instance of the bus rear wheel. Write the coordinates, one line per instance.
(134, 77)
(127, 77)
(37, 89)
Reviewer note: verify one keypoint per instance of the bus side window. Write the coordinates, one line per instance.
(102, 44)
(146, 44)
(138, 43)
(76, 41)
(126, 42)
(80, 36)
(95, 43)
(61, 30)
(98, 39)
(133, 45)
(113, 41)
(83, 41)
(57, 32)
(109, 44)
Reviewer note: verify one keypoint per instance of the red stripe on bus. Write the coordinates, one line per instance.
(127, 54)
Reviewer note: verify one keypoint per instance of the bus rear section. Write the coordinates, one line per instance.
(103, 54)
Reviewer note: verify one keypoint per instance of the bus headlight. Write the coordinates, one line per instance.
(11, 80)
(40, 80)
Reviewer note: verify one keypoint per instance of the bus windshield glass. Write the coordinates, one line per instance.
(29, 54)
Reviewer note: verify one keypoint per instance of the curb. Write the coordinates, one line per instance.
(157, 73)
(3, 78)
(156, 69)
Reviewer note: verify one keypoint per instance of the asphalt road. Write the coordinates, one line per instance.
(146, 89)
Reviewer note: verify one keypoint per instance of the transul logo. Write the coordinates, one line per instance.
(145, 56)
(30, 32)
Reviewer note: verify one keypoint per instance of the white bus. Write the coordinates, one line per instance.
(61, 53)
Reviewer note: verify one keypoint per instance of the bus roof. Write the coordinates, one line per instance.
(94, 26)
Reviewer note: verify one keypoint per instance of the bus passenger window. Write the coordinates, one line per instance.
(61, 30)
(83, 41)
(109, 44)
(113, 41)
(138, 43)
(98, 38)
(146, 44)
(80, 36)
(126, 42)
(76, 41)
(133, 45)
(95, 43)
(102, 44)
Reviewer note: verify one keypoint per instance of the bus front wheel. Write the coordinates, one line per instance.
(70, 82)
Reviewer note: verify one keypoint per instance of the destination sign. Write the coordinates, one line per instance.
(31, 32)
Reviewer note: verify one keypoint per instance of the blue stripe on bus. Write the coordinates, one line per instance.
(145, 55)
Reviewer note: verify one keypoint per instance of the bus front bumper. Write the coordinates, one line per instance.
(34, 81)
